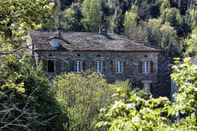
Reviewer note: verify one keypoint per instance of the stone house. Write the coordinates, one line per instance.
(114, 56)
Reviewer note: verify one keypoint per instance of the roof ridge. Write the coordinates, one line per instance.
(89, 41)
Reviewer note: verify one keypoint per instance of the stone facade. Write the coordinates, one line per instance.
(122, 60)
(133, 64)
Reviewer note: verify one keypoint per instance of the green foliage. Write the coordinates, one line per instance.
(26, 101)
(20, 16)
(163, 36)
(137, 113)
(71, 20)
(91, 12)
(165, 4)
(185, 76)
(130, 20)
(81, 97)
(191, 18)
(142, 112)
(171, 15)
(191, 43)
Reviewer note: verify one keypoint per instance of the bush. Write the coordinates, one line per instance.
(172, 15)
(82, 96)
(25, 99)
(142, 112)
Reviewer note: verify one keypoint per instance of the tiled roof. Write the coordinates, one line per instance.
(86, 41)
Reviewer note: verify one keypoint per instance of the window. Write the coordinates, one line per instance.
(99, 66)
(51, 66)
(148, 67)
(79, 66)
(119, 66)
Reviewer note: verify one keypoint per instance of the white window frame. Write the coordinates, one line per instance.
(99, 66)
(79, 66)
(146, 67)
(119, 66)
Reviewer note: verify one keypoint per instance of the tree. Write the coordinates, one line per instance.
(191, 43)
(142, 112)
(163, 36)
(81, 96)
(185, 75)
(172, 15)
(139, 112)
(130, 20)
(72, 19)
(18, 17)
(25, 99)
(191, 18)
(91, 11)
(153, 35)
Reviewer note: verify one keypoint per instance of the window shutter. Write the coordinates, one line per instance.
(140, 67)
(126, 66)
(66, 66)
(104, 66)
(58, 66)
(72, 66)
(113, 67)
(151, 67)
(93, 66)
(85, 65)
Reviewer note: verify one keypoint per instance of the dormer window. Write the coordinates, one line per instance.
(55, 43)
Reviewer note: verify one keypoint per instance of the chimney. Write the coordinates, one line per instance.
(103, 26)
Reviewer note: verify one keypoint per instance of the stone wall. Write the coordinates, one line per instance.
(64, 63)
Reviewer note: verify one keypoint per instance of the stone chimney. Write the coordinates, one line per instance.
(103, 28)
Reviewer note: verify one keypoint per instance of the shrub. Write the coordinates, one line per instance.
(82, 96)
(25, 99)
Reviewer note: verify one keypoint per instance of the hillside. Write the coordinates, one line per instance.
(80, 100)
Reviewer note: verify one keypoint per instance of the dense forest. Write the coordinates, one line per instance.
(29, 101)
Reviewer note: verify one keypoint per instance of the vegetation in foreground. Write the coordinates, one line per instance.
(28, 101)
(87, 102)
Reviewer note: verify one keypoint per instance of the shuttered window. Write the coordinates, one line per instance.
(119, 66)
(146, 67)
